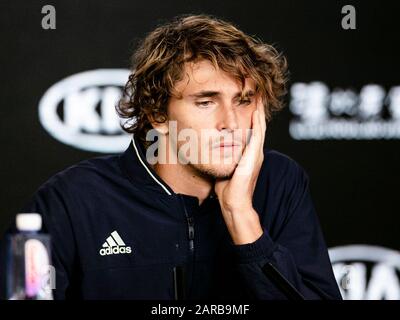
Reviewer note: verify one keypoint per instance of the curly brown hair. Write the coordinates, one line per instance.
(158, 62)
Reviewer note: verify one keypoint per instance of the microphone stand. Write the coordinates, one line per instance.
(179, 283)
(281, 282)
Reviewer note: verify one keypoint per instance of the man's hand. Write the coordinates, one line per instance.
(236, 194)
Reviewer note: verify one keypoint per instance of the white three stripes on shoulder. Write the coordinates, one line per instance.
(114, 240)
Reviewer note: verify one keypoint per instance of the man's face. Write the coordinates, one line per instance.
(211, 107)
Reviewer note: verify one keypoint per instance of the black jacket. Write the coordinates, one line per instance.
(118, 231)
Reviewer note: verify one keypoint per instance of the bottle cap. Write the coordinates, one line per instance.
(29, 221)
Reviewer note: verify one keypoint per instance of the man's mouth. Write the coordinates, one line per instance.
(228, 145)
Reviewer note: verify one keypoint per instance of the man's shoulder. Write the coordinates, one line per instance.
(84, 173)
(281, 165)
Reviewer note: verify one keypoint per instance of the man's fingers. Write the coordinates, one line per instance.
(256, 130)
(260, 107)
(250, 154)
(263, 124)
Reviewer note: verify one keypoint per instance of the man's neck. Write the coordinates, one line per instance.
(185, 179)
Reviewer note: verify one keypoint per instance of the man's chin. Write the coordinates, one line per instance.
(222, 171)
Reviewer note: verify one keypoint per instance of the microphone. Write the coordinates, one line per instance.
(179, 283)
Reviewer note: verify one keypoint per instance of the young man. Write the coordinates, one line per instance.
(121, 225)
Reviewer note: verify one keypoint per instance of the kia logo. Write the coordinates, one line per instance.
(365, 272)
(80, 110)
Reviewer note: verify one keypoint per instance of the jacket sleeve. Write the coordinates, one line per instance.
(49, 201)
(298, 252)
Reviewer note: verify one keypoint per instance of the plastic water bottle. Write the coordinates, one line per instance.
(30, 274)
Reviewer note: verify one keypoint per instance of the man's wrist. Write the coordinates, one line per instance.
(244, 226)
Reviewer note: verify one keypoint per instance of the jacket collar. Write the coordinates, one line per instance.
(133, 161)
(135, 165)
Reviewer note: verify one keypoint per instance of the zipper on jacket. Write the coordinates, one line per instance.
(191, 232)
(190, 223)
(190, 265)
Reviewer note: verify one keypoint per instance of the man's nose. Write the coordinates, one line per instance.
(227, 119)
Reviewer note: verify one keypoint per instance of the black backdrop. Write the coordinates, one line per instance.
(354, 182)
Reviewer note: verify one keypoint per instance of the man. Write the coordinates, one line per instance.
(122, 226)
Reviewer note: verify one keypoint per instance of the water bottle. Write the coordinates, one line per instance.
(30, 275)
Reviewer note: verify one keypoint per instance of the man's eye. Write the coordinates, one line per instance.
(203, 103)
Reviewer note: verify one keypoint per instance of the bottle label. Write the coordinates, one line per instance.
(36, 270)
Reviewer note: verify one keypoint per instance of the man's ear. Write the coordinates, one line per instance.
(161, 127)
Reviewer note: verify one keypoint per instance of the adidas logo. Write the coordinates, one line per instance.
(114, 245)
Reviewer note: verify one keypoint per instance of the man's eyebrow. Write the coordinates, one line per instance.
(209, 93)
(204, 93)
(248, 93)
